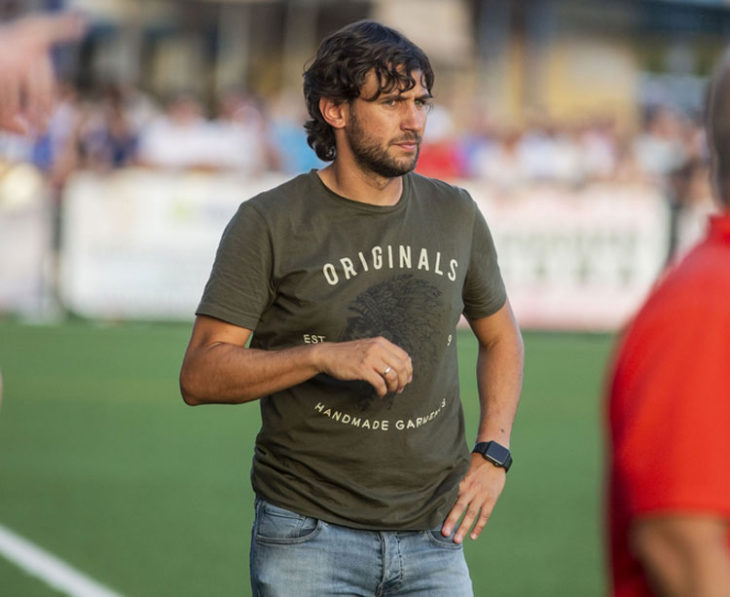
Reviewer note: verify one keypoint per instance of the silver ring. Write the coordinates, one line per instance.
(388, 369)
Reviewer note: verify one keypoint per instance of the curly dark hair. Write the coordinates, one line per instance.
(341, 65)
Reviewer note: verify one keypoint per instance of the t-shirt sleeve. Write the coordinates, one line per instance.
(672, 444)
(240, 287)
(484, 292)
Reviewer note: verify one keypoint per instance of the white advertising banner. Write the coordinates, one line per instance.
(140, 244)
(578, 260)
(25, 240)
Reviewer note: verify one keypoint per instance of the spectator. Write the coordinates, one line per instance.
(598, 147)
(289, 137)
(108, 137)
(180, 138)
(242, 135)
(501, 163)
(659, 147)
(439, 156)
(669, 414)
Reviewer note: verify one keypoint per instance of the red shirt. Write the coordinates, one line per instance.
(669, 403)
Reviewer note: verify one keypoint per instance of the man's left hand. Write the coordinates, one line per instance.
(479, 491)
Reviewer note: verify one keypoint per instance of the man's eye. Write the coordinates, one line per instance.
(424, 105)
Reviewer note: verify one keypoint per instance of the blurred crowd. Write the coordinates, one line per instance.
(666, 149)
(120, 127)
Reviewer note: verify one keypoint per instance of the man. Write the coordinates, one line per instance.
(350, 282)
(669, 413)
(26, 72)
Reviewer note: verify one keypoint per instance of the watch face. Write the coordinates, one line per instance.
(497, 453)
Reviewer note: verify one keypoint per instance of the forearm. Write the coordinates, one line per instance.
(219, 368)
(684, 556)
(499, 378)
(230, 374)
(710, 576)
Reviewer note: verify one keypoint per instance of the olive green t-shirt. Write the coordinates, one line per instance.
(300, 264)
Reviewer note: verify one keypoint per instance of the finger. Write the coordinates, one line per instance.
(466, 522)
(16, 125)
(10, 92)
(391, 362)
(13, 123)
(390, 377)
(481, 522)
(68, 27)
(45, 30)
(39, 92)
(403, 359)
(401, 364)
(397, 373)
(453, 518)
(405, 374)
(375, 379)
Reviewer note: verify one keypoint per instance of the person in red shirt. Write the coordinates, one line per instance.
(669, 413)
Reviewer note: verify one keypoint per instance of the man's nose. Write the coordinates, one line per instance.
(413, 116)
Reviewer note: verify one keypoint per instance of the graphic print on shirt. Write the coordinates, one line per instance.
(405, 310)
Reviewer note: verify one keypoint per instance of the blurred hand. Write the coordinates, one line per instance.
(26, 72)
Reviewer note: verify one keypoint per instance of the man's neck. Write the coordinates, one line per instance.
(366, 187)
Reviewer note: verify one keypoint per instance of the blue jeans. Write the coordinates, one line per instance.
(305, 557)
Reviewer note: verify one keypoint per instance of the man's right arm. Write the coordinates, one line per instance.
(219, 368)
(684, 556)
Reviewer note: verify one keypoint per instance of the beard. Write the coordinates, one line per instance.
(372, 156)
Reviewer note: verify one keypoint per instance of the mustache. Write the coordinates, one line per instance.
(413, 138)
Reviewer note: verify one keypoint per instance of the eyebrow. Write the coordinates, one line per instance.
(399, 96)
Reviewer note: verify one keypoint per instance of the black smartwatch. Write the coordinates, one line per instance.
(496, 453)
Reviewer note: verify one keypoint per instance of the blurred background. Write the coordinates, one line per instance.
(576, 125)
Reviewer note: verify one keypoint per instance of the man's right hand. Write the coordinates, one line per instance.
(384, 365)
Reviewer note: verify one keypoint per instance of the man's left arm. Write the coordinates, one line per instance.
(683, 554)
(499, 380)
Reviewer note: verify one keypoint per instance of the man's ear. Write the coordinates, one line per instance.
(334, 114)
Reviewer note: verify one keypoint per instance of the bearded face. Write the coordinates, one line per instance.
(384, 158)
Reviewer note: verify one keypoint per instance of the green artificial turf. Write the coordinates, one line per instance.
(103, 465)
(545, 537)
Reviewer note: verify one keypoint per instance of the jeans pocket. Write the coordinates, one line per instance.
(274, 524)
(436, 537)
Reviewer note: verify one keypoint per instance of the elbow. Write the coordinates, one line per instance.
(188, 397)
(189, 390)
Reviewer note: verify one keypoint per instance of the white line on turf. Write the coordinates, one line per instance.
(49, 568)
